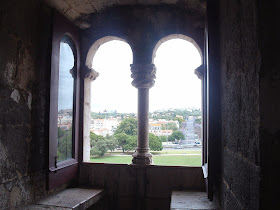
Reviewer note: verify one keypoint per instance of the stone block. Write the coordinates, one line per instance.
(4, 194)
(186, 200)
(230, 201)
(8, 56)
(14, 152)
(242, 179)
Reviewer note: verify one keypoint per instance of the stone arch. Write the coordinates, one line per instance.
(93, 49)
(176, 36)
(91, 75)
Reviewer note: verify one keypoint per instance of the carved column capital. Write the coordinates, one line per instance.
(90, 74)
(143, 75)
(199, 71)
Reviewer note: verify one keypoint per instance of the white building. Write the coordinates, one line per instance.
(155, 129)
(98, 125)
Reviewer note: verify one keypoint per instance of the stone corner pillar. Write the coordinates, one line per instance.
(143, 79)
(89, 76)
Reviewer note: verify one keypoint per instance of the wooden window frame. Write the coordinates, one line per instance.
(66, 171)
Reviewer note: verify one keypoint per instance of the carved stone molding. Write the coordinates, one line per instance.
(142, 157)
(199, 71)
(90, 74)
(143, 75)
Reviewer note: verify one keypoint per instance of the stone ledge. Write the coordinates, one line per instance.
(185, 200)
(74, 198)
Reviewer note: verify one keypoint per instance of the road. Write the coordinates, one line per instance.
(189, 148)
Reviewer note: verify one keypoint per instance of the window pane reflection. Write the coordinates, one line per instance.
(65, 102)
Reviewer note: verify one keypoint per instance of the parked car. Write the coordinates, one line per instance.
(197, 144)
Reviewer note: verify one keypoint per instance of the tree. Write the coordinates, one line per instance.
(176, 135)
(163, 138)
(64, 148)
(60, 132)
(122, 139)
(100, 148)
(169, 126)
(94, 138)
(127, 126)
(112, 143)
(131, 143)
(197, 121)
(179, 119)
(155, 142)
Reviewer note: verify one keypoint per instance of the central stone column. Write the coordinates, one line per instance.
(143, 79)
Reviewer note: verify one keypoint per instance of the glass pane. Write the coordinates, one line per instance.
(65, 102)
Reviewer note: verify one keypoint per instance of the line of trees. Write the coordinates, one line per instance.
(125, 137)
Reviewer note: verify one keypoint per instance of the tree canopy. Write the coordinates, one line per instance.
(155, 142)
(94, 138)
(170, 126)
(122, 139)
(127, 126)
(131, 143)
(176, 135)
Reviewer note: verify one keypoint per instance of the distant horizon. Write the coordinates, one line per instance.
(165, 110)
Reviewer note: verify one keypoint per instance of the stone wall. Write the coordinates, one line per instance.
(140, 187)
(240, 99)
(25, 34)
(142, 27)
(269, 103)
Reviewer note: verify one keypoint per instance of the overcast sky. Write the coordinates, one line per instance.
(66, 81)
(176, 84)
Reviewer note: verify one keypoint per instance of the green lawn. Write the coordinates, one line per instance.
(174, 151)
(177, 160)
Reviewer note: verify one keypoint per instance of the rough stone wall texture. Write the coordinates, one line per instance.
(269, 104)
(24, 39)
(79, 11)
(142, 27)
(140, 187)
(240, 99)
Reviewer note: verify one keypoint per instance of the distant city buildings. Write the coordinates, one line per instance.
(191, 128)
(65, 118)
(104, 127)
(155, 127)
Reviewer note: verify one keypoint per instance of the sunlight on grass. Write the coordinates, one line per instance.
(175, 160)
(178, 160)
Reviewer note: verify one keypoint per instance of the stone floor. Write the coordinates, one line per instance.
(184, 200)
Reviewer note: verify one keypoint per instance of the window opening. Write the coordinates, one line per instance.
(175, 104)
(113, 101)
(65, 101)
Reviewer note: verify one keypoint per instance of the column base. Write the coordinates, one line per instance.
(142, 158)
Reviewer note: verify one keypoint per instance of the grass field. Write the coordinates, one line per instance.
(174, 151)
(159, 158)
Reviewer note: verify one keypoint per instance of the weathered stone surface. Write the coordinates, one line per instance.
(22, 25)
(187, 200)
(143, 75)
(269, 104)
(74, 9)
(74, 198)
(8, 54)
(240, 66)
(153, 24)
(134, 186)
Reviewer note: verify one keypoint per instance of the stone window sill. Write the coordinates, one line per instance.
(74, 198)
